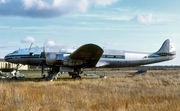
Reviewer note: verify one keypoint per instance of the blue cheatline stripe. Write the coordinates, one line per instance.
(23, 56)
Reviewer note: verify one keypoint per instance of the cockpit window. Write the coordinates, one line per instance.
(15, 52)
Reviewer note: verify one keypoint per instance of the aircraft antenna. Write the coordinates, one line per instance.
(30, 46)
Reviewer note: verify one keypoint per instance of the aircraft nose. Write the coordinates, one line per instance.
(7, 58)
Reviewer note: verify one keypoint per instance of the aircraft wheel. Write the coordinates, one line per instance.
(78, 77)
(70, 73)
(74, 76)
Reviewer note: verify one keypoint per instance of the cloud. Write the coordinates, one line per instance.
(28, 39)
(2, 1)
(144, 19)
(104, 2)
(47, 8)
(1, 42)
(50, 43)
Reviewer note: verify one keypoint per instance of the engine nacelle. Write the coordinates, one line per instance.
(62, 59)
(50, 58)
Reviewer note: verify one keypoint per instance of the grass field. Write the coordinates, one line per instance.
(157, 90)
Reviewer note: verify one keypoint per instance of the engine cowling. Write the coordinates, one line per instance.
(50, 58)
(62, 59)
(54, 58)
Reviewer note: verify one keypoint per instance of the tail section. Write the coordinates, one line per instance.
(167, 49)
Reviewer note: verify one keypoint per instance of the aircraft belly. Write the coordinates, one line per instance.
(111, 63)
(122, 63)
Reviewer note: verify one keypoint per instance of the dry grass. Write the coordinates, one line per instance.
(158, 90)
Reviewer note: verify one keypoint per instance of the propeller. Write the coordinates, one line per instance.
(43, 60)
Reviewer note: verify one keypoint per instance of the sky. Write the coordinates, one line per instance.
(134, 25)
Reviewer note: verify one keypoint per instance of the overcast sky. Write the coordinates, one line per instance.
(135, 25)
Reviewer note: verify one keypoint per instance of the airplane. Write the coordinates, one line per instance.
(88, 56)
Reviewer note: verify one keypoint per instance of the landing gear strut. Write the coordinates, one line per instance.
(52, 74)
(75, 75)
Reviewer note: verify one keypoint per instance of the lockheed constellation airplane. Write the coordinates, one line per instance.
(88, 56)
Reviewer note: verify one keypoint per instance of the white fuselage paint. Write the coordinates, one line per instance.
(134, 56)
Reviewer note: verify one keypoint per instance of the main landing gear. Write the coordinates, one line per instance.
(52, 75)
(54, 72)
(75, 75)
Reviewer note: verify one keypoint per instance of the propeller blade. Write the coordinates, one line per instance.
(43, 62)
(42, 69)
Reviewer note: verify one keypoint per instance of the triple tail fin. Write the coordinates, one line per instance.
(167, 49)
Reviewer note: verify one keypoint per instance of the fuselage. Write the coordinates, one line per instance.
(130, 58)
(110, 58)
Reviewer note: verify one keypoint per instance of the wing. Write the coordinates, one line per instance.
(89, 52)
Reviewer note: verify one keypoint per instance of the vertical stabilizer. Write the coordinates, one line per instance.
(167, 48)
